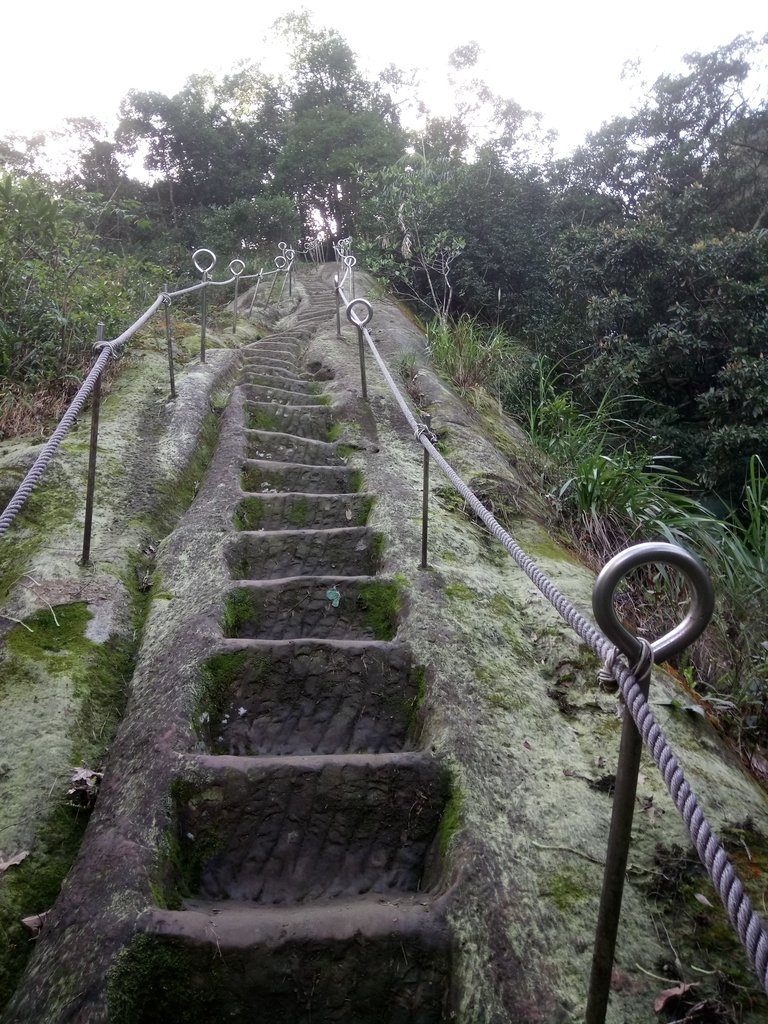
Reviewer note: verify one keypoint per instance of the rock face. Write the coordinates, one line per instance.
(349, 790)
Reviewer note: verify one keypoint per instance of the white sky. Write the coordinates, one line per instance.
(563, 59)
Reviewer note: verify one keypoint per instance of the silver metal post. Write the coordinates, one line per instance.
(169, 344)
(425, 499)
(338, 304)
(360, 323)
(638, 651)
(234, 320)
(91, 485)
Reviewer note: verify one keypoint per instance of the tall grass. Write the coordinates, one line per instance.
(470, 354)
(610, 493)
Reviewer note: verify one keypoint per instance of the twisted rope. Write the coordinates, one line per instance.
(747, 924)
(40, 464)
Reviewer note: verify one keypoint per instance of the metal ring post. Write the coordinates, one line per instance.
(93, 450)
(236, 267)
(425, 498)
(619, 837)
(169, 343)
(204, 269)
(360, 324)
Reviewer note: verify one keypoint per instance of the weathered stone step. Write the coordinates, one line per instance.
(260, 475)
(279, 554)
(287, 384)
(275, 378)
(264, 444)
(281, 364)
(314, 511)
(293, 829)
(282, 396)
(317, 697)
(308, 607)
(365, 609)
(371, 960)
(311, 421)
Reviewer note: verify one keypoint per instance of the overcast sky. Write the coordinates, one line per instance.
(563, 59)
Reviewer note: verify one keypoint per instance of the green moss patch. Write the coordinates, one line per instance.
(450, 823)
(154, 980)
(380, 603)
(565, 889)
(239, 608)
(459, 592)
(298, 513)
(249, 514)
(262, 419)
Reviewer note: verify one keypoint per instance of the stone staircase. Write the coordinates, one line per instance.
(304, 872)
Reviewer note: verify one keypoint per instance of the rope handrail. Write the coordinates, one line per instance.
(107, 349)
(750, 929)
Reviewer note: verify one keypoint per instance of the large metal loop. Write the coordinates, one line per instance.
(236, 267)
(368, 312)
(350, 261)
(290, 255)
(207, 252)
(699, 613)
(282, 246)
(281, 262)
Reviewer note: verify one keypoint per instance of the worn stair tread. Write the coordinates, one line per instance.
(240, 924)
(210, 763)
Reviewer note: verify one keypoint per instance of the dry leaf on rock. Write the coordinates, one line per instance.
(10, 862)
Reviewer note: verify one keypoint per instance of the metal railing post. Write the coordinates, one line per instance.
(169, 343)
(361, 348)
(360, 324)
(203, 315)
(338, 304)
(425, 497)
(644, 654)
(93, 450)
(255, 291)
(617, 854)
(206, 272)
(236, 267)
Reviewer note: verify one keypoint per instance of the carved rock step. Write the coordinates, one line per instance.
(313, 421)
(300, 387)
(365, 961)
(280, 363)
(260, 475)
(288, 609)
(316, 511)
(294, 829)
(282, 396)
(263, 444)
(279, 554)
(310, 697)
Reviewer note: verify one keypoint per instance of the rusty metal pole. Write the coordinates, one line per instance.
(203, 315)
(169, 343)
(91, 485)
(361, 347)
(425, 498)
(616, 857)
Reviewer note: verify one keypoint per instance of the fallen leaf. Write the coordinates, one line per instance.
(17, 858)
(702, 899)
(669, 994)
(36, 921)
